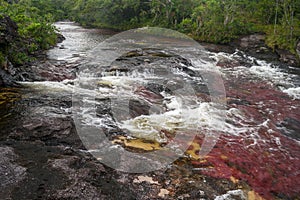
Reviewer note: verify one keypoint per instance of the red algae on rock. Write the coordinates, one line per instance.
(261, 156)
(267, 173)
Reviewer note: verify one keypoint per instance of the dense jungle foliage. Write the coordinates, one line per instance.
(34, 31)
(217, 21)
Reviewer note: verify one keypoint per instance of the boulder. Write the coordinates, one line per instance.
(254, 45)
(253, 41)
(6, 79)
(60, 38)
(287, 57)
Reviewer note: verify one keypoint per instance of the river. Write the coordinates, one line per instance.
(140, 106)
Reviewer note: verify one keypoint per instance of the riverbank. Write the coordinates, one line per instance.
(255, 46)
(256, 157)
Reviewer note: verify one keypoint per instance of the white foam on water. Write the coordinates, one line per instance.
(48, 86)
(262, 69)
(272, 74)
(206, 117)
(293, 92)
(231, 195)
(276, 76)
(199, 117)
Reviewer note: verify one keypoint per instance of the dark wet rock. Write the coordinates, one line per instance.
(62, 47)
(252, 41)
(6, 79)
(160, 62)
(133, 54)
(60, 38)
(11, 173)
(161, 55)
(79, 177)
(26, 73)
(52, 130)
(40, 180)
(47, 70)
(138, 108)
(236, 101)
(291, 128)
(10, 68)
(44, 119)
(218, 48)
(288, 57)
(255, 46)
(150, 93)
(148, 52)
(116, 69)
(225, 62)
(156, 88)
(103, 107)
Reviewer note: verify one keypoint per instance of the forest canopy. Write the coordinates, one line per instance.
(217, 21)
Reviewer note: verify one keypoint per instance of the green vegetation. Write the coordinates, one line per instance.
(208, 20)
(29, 31)
(217, 21)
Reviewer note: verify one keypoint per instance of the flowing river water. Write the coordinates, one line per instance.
(258, 127)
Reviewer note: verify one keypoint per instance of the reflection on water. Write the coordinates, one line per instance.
(78, 41)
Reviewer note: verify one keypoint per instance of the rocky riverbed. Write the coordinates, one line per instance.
(257, 156)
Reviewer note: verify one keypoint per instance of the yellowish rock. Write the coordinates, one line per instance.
(104, 83)
(192, 152)
(254, 196)
(234, 180)
(139, 143)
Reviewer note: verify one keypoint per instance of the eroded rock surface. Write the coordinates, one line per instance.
(11, 172)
